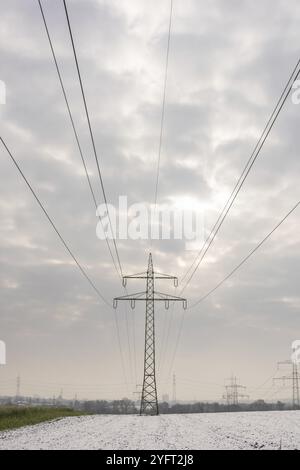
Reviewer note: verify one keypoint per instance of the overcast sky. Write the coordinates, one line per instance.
(229, 62)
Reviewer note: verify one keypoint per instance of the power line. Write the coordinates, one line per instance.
(199, 382)
(120, 348)
(271, 395)
(226, 278)
(159, 158)
(134, 347)
(246, 257)
(163, 106)
(72, 384)
(218, 224)
(210, 239)
(294, 377)
(73, 124)
(264, 383)
(165, 338)
(83, 272)
(92, 135)
(162, 119)
(97, 160)
(79, 148)
(129, 342)
(162, 341)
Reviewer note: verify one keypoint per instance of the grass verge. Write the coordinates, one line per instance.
(12, 417)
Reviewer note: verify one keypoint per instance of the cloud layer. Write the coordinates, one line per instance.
(229, 62)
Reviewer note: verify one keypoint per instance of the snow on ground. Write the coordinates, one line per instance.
(257, 430)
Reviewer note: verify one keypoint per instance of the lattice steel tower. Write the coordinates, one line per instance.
(233, 394)
(149, 402)
(294, 378)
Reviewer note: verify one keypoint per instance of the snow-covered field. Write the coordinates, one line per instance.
(271, 430)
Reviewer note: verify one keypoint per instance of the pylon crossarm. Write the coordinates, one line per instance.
(163, 276)
(131, 298)
(133, 276)
(135, 296)
(142, 296)
(145, 275)
(167, 298)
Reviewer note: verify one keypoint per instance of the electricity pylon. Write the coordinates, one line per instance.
(294, 377)
(232, 394)
(18, 388)
(149, 402)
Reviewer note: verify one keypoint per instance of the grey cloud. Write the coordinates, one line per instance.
(229, 62)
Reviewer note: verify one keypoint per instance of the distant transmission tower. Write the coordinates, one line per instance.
(232, 392)
(294, 377)
(149, 402)
(18, 388)
(174, 389)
